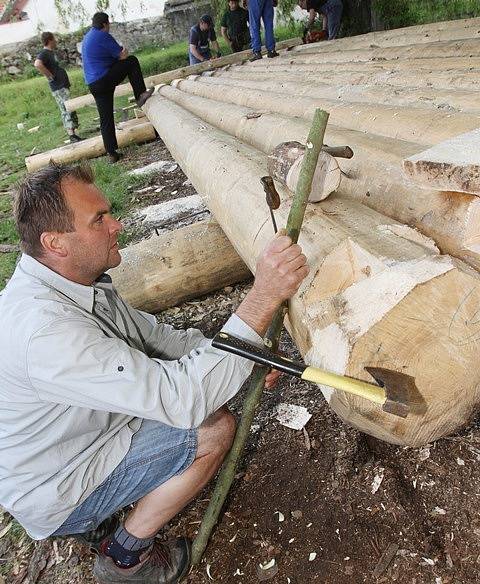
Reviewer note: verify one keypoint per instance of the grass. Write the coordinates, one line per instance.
(409, 12)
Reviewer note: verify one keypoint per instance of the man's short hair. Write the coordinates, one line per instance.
(46, 38)
(99, 19)
(207, 19)
(40, 204)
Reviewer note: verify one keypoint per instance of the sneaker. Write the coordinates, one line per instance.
(114, 156)
(94, 539)
(163, 563)
(74, 138)
(145, 95)
(256, 55)
(272, 54)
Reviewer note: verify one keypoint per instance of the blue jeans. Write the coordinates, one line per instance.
(205, 54)
(157, 453)
(261, 9)
(333, 11)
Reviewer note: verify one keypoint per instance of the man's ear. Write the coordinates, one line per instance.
(54, 243)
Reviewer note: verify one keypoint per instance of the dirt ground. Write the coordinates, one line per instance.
(328, 504)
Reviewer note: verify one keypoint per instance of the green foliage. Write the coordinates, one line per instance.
(410, 12)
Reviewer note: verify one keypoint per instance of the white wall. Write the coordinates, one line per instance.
(42, 16)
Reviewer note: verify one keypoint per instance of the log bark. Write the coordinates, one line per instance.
(177, 266)
(284, 165)
(416, 125)
(291, 84)
(374, 297)
(126, 89)
(131, 132)
(373, 176)
(453, 165)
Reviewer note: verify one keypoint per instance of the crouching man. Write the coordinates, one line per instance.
(100, 406)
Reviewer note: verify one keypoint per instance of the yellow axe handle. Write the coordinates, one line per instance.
(361, 388)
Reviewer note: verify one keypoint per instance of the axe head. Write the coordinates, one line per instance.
(400, 390)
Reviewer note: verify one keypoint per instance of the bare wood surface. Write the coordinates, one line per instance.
(453, 165)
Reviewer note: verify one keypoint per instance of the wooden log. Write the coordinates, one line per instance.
(290, 83)
(367, 288)
(284, 165)
(437, 50)
(177, 266)
(131, 132)
(125, 89)
(459, 64)
(423, 33)
(373, 176)
(441, 79)
(453, 165)
(416, 125)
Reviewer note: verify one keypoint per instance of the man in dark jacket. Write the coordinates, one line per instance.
(235, 26)
(47, 64)
(105, 65)
(202, 36)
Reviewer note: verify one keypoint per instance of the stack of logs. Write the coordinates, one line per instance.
(382, 290)
(394, 280)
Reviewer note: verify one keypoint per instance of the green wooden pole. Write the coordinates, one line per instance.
(257, 382)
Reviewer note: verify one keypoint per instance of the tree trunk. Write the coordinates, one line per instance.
(177, 266)
(378, 293)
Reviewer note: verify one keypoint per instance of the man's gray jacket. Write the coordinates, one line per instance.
(79, 371)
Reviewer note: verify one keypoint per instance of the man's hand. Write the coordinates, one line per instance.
(281, 269)
(123, 55)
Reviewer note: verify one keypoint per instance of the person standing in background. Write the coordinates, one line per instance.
(261, 10)
(235, 26)
(105, 65)
(329, 9)
(47, 64)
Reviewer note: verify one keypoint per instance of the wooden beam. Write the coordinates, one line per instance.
(453, 165)
(177, 266)
(370, 280)
(125, 89)
(131, 132)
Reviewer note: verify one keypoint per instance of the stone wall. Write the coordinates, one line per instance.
(173, 26)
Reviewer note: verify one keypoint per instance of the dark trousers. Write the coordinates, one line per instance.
(103, 90)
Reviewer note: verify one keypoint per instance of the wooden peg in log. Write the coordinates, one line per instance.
(284, 165)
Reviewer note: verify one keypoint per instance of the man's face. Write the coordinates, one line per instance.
(233, 4)
(203, 25)
(302, 4)
(92, 248)
(53, 43)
